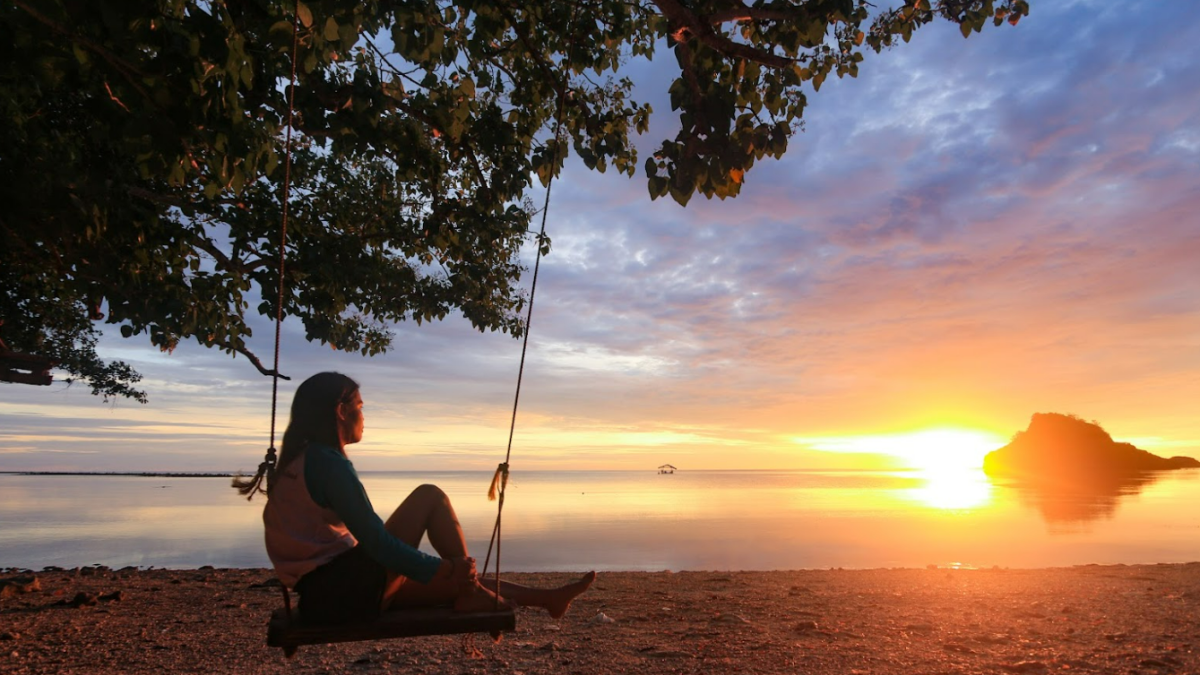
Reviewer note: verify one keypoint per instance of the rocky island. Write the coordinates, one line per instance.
(1066, 449)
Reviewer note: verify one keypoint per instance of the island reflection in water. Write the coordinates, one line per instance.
(1073, 471)
(692, 520)
(1071, 504)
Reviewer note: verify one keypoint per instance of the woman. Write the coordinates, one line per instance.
(326, 541)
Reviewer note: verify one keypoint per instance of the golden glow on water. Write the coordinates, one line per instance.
(938, 451)
(618, 520)
(953, 490)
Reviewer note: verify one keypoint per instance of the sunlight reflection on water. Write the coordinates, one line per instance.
(638, 521)
(955, 490)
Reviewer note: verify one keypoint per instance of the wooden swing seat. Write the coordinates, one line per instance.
(289, 632)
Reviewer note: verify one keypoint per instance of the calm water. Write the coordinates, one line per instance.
(744, 520)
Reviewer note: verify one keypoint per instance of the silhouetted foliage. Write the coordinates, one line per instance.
(141, 149)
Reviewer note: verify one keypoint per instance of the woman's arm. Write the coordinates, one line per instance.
(333, 484)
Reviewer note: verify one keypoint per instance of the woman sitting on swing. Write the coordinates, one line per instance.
(327, 542)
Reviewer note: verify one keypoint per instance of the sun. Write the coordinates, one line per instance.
(943, 450)
(934, 451)
(949, 460)
(940, 450)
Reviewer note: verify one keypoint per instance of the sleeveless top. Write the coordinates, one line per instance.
(300, 535)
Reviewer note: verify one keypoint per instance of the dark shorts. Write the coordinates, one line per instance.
(347, 589)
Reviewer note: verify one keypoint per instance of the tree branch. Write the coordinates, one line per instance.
(197, 241)
(157, 198)
(686, 24)
(253, 360)
(383, 59)
(533, 53)
(743, 13)
(127, 70)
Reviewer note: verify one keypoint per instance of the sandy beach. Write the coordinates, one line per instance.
(1089, 619)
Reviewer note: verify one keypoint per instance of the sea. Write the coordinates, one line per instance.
(639, 521)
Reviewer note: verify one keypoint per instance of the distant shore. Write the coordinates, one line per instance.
(141, 474)
(1112, 619)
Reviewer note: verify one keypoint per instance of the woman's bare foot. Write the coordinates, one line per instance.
(561, 597)
(476, 598)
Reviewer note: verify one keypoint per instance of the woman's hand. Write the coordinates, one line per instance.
(460, 571)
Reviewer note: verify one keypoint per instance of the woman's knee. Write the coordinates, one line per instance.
(410, 519)
(429, 494)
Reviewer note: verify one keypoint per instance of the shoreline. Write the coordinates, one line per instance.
(99, 568)
(1088, 618)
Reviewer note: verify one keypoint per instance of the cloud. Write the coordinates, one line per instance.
(972, 230)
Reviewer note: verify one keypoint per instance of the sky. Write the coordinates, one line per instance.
(970, 232)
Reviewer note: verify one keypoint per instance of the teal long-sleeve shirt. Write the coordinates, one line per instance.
(333, 484)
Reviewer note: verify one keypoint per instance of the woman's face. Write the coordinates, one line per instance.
(350, 420)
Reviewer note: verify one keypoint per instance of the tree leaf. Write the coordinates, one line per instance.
(305, 14)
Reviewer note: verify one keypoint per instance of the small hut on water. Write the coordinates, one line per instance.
(666, 468)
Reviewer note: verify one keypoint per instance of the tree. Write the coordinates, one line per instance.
(143, 147)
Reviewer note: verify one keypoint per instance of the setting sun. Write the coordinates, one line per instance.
(934, 451)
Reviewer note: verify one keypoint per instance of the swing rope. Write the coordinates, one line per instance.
(500, 479)
(287, 189)
(266, 470)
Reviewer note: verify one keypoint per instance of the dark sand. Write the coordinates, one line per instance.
(1090, 619)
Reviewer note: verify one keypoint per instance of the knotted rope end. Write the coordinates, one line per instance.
(499, 481)
(260, 481)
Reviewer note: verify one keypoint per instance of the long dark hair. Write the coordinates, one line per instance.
(314, 418)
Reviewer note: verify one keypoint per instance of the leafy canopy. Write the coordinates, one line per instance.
(142, 149)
